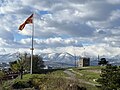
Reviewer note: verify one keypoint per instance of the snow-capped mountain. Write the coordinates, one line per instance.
(59, 59)
(52, 59)
(7, 57)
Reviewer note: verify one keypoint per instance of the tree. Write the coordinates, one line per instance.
(24, 61)
(38, 63)
(103, 61)
(19, 65)
(2, 74)
(110, 78)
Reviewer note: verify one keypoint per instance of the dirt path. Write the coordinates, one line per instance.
(72, 75)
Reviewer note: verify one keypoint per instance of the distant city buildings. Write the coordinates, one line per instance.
(48, 67)
(4, 66)
(84, 62)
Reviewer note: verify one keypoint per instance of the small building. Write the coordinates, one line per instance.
(84, 62)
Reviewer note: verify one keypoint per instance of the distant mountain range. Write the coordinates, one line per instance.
(8, 57)
(59, 59)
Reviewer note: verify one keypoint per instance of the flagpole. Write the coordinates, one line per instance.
(32, 48)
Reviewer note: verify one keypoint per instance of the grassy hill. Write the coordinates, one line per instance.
(66, 79)
(87, 76)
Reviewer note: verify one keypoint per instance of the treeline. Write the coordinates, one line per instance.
(24, 62)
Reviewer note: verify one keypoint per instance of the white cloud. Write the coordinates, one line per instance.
(114, 1)
(51, 42)
(62, 23)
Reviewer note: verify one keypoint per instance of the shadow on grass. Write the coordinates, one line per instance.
(45, 71)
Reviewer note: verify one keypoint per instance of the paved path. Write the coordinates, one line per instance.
(72, 75)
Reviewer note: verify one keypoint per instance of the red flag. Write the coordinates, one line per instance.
(29, 20)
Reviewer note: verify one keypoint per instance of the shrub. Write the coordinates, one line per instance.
(110, 78)
(22, 84)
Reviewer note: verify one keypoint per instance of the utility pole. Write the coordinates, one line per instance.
(98, 58)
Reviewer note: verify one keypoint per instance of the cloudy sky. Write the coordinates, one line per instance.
(81, 26)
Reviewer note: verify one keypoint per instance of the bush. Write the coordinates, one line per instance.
(2, 74)
(44, 82)
(7, 85)
(56, 83)
(22, 84)
(110, 78)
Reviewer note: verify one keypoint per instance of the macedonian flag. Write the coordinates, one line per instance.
(29, 20)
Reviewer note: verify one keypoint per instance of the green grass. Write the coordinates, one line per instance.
(30, 76)
(57, 80)
(95, 67)
(52, 81)
(58, 73)
(89, 74)
(89, 87)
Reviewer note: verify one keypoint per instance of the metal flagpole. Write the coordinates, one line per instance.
(32, 48)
